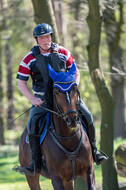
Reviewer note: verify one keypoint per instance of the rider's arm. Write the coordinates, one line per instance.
(22, 85)
(77, 76)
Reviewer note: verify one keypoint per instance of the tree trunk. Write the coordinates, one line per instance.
(8, 60)
(76, 40)
(43, 12)
(8, 64)
(61, 22)
(106, 102)
(2, 141)
(113, 34)
(2, 25)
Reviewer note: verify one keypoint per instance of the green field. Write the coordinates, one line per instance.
(12, 180)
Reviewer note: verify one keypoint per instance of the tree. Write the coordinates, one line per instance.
(76, 41)
(8, 64)
(8, 57)
(106, 102)
(58, 7)
(113, 29)
(43, 12)
(2, 141)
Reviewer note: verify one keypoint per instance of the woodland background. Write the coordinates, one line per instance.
(95, 33)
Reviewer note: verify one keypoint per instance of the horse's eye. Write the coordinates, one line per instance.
(55, 93)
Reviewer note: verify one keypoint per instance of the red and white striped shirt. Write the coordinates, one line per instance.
(29, 61)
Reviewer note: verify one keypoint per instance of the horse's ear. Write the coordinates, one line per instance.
(52, 73)
(73, 69)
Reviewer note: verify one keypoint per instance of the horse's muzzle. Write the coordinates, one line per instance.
(72, 121)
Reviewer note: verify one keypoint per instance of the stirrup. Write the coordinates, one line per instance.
(103, 154)
(101, 160)
(22, 171)
(25, 171)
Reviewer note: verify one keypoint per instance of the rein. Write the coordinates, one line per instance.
(49, 110)
(17, 117)
(9, 123)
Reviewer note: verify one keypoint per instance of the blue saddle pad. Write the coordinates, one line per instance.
(44, 130)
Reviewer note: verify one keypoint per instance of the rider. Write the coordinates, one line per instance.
(34, 64)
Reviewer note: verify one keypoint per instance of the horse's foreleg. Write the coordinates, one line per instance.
(90, 184)
(57, 183)
(91, 179)
(33, 182)
(69, 185)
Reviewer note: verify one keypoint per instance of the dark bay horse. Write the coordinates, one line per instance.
(66, 147)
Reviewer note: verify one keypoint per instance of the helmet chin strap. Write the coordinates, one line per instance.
(44, 49)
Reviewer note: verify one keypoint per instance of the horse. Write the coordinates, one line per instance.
(66, 148)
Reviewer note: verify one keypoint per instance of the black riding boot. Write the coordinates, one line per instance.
(36, 164)
(98, 158)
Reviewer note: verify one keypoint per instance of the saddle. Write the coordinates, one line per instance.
(43, 122)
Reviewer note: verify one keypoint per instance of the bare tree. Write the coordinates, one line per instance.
(106, 102)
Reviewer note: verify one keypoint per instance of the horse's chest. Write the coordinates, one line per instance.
(63, 164)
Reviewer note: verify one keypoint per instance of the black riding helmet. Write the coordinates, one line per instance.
(42, 29)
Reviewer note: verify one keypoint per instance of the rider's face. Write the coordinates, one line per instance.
(44, 42)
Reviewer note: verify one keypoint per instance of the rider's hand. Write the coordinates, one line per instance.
(37, 101)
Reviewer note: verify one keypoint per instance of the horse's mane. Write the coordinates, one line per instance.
(49, 94)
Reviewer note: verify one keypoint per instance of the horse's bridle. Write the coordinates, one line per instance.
(55, 136)
(59, 109)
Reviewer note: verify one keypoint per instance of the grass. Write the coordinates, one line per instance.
(10, 179)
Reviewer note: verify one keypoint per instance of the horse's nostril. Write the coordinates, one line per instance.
(68, 121)
(72, 121)
(77, 119)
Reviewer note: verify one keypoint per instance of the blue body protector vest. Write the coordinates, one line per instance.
(39, 71)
